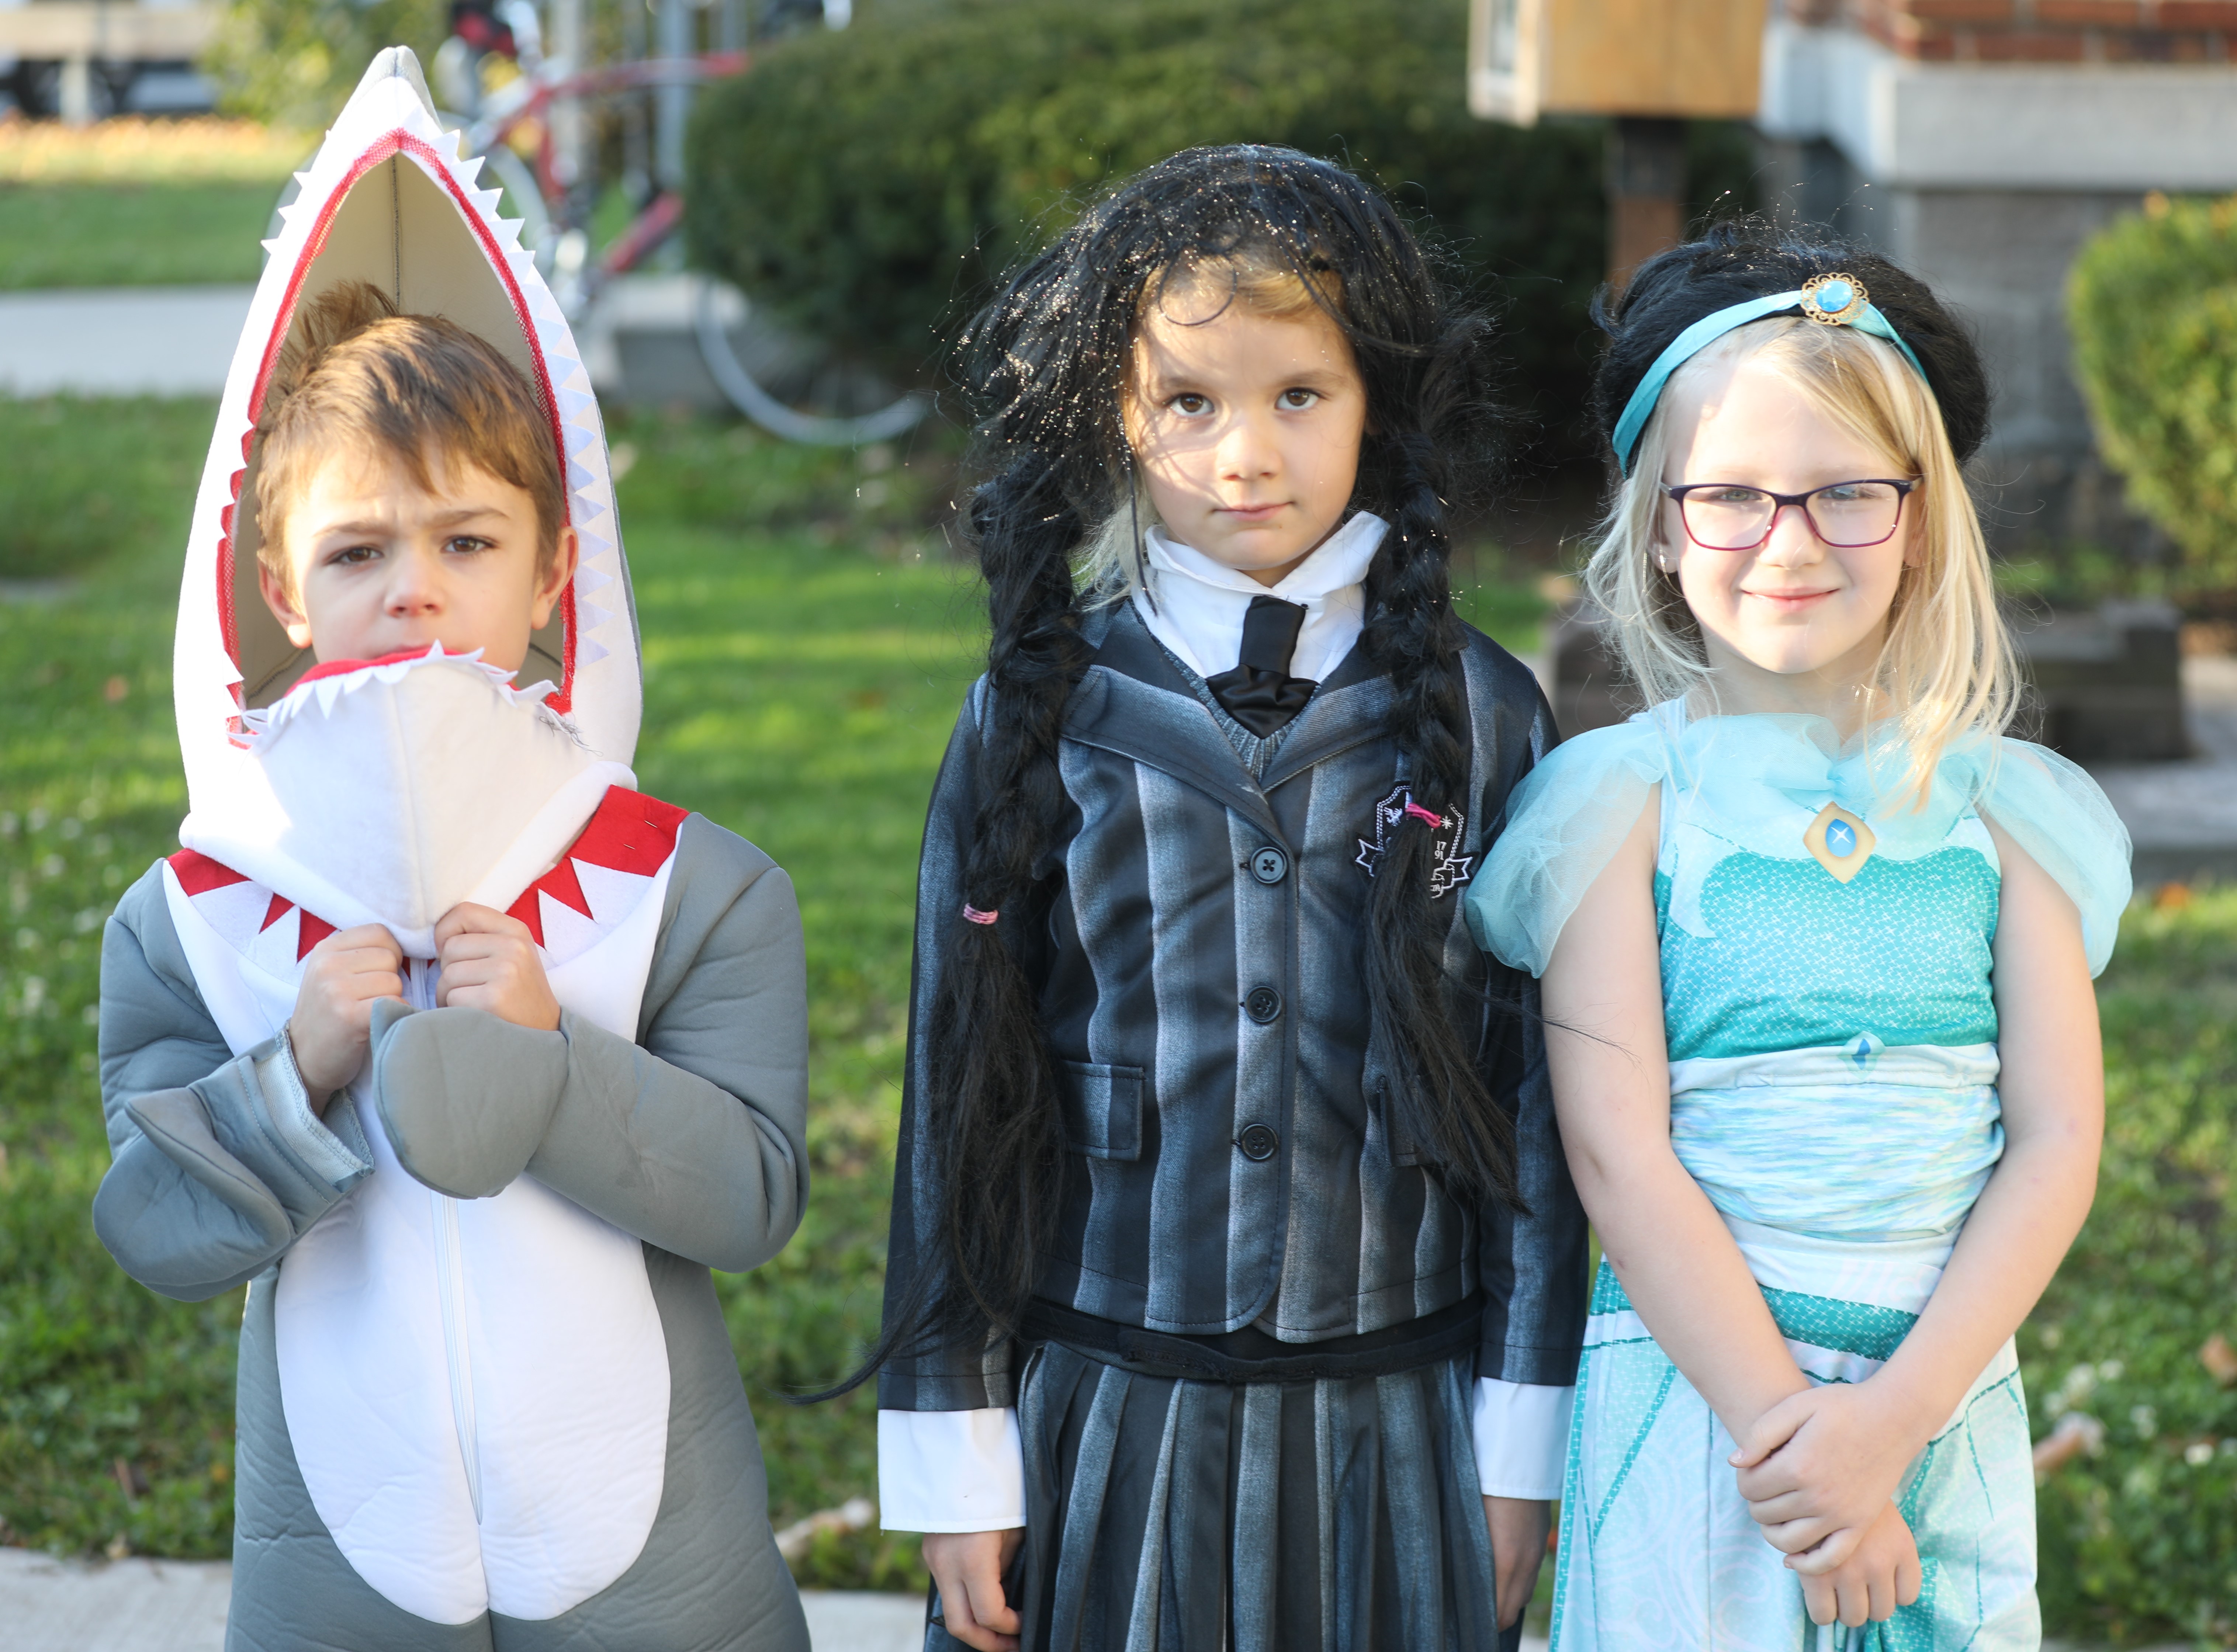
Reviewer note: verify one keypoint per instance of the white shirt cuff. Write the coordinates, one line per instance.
(1521, 1438)
(951, 1470)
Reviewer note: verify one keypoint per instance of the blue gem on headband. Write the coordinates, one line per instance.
(1835, 300)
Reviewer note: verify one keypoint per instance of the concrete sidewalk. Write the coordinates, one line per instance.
(48, 1605)
(120, 341)
(2183, 816)
(637, 340)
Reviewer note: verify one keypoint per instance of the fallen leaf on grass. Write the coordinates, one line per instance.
(2077, 1434)
(851, 1515)
(2220, 1360)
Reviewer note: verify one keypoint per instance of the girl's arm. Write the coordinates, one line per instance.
(1610, 1062)
(1826, 1459)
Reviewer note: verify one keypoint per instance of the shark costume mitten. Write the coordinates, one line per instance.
(486, 1397)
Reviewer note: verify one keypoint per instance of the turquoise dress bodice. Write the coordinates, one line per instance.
(1778, 954)
(1832, 1044)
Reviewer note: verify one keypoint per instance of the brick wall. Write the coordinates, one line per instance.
(2039, 31)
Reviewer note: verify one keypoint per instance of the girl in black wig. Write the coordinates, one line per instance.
(1236, 1282)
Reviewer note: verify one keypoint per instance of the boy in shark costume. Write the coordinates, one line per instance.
(486, 1397)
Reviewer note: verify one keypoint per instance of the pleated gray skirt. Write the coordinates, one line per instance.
(1167, 1515)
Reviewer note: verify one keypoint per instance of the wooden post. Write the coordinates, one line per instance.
(1646, 182)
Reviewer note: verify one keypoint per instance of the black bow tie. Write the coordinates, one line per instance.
(1260, 694)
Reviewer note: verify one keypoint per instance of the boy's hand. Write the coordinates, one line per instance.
(490, 962)
(1817, 1466)
(348, 971)
(1881, 1573)
(968, 1568)
(1518, 1550)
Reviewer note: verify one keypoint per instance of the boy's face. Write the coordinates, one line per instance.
(380, 564)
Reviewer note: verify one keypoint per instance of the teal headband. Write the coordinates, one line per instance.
(1835, 300)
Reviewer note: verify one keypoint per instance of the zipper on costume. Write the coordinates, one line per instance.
(450, 1281)
(451, 1284)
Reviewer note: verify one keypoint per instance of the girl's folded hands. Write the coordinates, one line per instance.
(1817, 1468)
(1881, 1573)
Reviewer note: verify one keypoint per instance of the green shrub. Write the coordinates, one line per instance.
(293, 61)
(2152, 304)
(866, 185)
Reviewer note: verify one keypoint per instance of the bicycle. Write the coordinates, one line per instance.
(554, 214)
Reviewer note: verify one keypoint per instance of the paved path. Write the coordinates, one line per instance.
(120, 341)
(48, 1605)
(2183, 816)
(179, 340)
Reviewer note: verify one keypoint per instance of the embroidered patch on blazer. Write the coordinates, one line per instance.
(1452, 868)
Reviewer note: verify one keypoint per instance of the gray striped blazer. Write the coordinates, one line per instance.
(1233, 1161)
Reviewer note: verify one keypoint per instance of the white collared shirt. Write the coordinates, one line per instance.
(1201, 603)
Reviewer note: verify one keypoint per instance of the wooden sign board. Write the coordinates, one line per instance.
(1677, 58)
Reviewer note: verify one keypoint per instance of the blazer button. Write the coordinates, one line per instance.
(1259, 1143)
(1263, 1006)
(1270, 865)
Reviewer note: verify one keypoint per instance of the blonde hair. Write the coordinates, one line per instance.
(1108, 566)
(1946, 668)
(358, 374)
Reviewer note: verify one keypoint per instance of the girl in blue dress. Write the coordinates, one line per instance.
(1816, 940)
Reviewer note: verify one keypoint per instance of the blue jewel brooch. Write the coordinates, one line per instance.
(1837, 299)
(1838, 841)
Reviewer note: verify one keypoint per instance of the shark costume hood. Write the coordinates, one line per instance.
(482, 784)
(477, 1390)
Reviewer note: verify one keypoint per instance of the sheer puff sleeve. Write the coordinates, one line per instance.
(2056, 812)
(1564, 824)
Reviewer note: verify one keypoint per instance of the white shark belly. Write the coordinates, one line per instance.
(477, 1392)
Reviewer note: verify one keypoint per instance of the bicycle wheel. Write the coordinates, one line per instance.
(772, 414)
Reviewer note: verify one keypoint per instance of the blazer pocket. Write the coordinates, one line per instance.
(1398, 1135)
(1102, 1110)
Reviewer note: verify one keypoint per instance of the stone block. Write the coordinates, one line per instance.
(2106, 687)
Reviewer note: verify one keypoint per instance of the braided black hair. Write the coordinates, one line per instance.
(1044, 366)
(1751, 258)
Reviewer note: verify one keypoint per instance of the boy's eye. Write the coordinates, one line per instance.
(465, 544)
(1189, 405)
(352, 554)
(1296, 401)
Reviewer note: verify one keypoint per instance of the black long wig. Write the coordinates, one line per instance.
(1044, 368)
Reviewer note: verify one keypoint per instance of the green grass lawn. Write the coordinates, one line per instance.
(806, 645)
(107, 235)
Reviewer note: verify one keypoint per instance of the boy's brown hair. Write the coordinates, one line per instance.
(356, 371)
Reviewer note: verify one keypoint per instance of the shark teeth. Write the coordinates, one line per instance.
(325, 691)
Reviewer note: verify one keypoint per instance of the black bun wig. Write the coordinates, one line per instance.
(1044, 366)
(1750, 259)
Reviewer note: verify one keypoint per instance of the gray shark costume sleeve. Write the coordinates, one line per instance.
(692, 1139)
